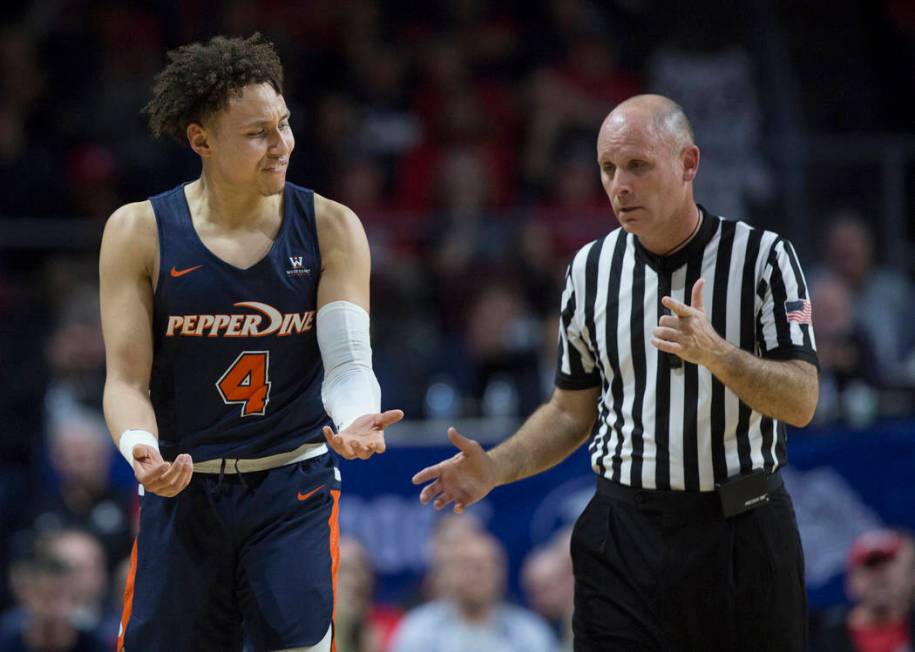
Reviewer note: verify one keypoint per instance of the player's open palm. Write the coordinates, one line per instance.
(166, 479)
(363, 437)
(464, 479)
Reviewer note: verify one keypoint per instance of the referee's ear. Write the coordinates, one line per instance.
(690, 158)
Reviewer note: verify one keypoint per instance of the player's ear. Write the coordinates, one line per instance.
(690, 158)
(198, 137)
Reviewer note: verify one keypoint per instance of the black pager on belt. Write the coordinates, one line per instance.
(743, 493)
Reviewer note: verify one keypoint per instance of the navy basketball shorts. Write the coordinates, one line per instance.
(233, 558)
(664, 571)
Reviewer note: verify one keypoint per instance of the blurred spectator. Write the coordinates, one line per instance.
(503, 340)
(359, 625)
(48, 606)
(549, 586)
(883, 299)
(450, 530)
(574, 209)
(92, 176)
(129, 43)
(22, 553)
(329, 130)
(83, 555)
(25, 167)
(75, 350)
(359, 184)
(26, 158)
(461, 116)
(465, 230)
(569, 98)
(467, 242)
(471, 614)
(704, 69)
(849, 375)
(538, 266)
(80, 452)
(387, 126)
(22, 381)
(488, 34)
(881, 586)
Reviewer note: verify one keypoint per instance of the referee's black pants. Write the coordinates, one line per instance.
(664, 571)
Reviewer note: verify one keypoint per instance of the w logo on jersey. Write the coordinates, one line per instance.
(298, 267)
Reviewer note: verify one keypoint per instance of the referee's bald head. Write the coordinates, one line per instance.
(663, 117)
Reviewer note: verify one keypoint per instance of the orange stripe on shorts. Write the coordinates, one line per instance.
(334, 524)
(128, 596)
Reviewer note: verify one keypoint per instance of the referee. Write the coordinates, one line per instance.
(685, 344)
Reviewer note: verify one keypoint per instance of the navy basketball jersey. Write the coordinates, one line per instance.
(236, 368)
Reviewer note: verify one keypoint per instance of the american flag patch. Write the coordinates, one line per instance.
(798, 311)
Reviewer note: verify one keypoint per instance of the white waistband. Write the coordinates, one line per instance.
(232, 465)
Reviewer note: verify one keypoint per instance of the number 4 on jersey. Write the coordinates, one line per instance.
(246, 382)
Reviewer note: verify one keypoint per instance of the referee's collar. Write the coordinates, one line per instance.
(693, 248)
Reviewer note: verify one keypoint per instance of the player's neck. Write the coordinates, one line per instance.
(223, 203)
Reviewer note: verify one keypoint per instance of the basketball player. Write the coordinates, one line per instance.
(235, 315)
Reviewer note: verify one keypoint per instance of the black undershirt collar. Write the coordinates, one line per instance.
(694, 247)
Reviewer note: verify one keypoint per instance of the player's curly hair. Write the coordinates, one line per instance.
(200, 78)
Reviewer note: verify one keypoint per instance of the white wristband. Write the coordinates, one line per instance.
(350, 389)
(130, 438)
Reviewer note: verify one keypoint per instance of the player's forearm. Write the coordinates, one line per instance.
(547, 437)
(128, 407)
(786, 390)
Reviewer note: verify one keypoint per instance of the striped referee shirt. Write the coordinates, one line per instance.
(660, 424)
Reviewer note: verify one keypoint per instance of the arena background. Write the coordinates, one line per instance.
(462, 132)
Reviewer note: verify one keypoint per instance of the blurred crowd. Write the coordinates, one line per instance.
(462, 133)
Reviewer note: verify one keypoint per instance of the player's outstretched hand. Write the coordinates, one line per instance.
(464, 479)
(157, 476)
(363, 437)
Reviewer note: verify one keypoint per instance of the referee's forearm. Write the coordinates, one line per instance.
(786, 390)
(547, 437)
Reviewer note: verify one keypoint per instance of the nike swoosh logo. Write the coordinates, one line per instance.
(181, 272)
(303, 497)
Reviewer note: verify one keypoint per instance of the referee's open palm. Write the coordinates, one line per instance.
(463, 479)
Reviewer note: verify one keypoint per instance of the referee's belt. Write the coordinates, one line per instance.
(639, 495)
(251, 465)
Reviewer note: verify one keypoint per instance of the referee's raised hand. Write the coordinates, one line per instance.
(688, 333)
(463, 479)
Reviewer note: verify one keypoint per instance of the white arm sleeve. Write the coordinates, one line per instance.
(350, 388)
